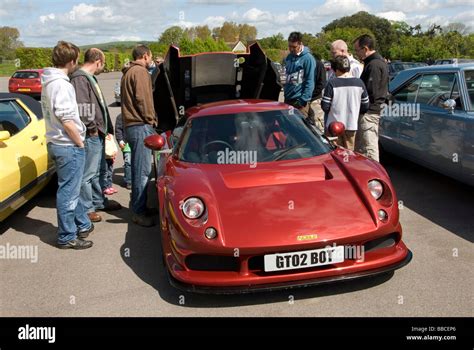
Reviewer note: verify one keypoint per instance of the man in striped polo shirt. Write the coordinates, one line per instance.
(345, 97)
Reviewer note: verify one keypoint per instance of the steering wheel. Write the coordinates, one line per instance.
(216, 142)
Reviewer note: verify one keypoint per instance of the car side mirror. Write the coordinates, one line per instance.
(155, 142)
(449, 105)
(4, 135)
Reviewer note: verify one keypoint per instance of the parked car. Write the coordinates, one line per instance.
(396, 67)
(437, 125)
(26, 81)
(24, 163)
(117, 93)
(454, 61)
(231, 225)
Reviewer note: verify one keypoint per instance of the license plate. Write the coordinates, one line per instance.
(24, 90)
(303, 259)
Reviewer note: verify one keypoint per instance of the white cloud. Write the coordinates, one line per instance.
(339, 8)
(256, 15)
(454, 3)
(214, 21)
(218, 2)
(393, 15)
(411, 5)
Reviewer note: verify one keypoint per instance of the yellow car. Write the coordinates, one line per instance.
(25, 167)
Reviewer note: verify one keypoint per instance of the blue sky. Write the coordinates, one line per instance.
(43, 23)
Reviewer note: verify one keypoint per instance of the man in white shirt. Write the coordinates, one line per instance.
(339, 48)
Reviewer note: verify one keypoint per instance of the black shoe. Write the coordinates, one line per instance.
(85, 233)
(111, 206)
(76, 244)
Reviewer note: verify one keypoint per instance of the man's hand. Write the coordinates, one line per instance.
(122, 144)
(71, 130)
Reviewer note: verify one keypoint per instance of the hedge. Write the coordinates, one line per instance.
(35, 58)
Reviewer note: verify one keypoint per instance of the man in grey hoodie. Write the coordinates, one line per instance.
(65, 133)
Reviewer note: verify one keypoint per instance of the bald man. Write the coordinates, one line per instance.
(339, 48)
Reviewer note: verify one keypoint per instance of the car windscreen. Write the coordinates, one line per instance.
(240, 138)
(26, 75)
(469, 77)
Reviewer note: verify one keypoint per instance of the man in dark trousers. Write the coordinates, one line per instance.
(316, 114)
(95, 115)
(139, 120)
(375, 78)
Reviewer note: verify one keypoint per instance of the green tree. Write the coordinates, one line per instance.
(276, 41)
(381, 28)
(9, 42)
(247, 33)
(321, 46)
(172, 35)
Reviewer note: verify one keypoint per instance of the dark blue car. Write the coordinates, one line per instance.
(429, 119)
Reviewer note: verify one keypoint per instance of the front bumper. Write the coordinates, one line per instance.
(286, 285)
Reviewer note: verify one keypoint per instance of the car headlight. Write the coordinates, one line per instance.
(375, 189)
(193, 208)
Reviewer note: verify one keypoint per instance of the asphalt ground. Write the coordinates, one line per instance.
(122, 275)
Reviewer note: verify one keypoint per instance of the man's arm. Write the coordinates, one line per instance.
(364, 102)
(73, 133)
(308, 81)
(320, 80)
(144, 96)
(84, 101)
(326, 102)
(378, 79)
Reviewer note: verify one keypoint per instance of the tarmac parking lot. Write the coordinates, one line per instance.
(123, 275)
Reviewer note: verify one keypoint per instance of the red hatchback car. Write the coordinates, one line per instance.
(252, 197)
(26, 81)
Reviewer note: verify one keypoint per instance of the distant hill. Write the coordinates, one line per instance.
(115, 45)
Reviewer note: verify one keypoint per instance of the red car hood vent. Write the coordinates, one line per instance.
(268, 177)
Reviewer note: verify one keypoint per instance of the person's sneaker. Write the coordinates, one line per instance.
(128, 186)
(76, 244)
(143, 220)
(94, 217)
(85, 233)
(111, 206)
(109, 191)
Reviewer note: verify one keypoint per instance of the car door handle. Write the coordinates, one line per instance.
(34, 137)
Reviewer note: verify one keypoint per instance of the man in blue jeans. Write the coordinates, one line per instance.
(139, 120)
(65, 134)
(95, 115)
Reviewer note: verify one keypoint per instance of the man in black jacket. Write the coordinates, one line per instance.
(375, 78)
(316, 114)
(95, 115)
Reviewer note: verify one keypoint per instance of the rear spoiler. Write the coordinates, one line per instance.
(186, 81)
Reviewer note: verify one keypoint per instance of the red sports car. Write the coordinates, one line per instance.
(252, 197)
(26, 81)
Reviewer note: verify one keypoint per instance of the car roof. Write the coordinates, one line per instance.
(29, 101)
(235, 106)
(30, 70)
(407, 74)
